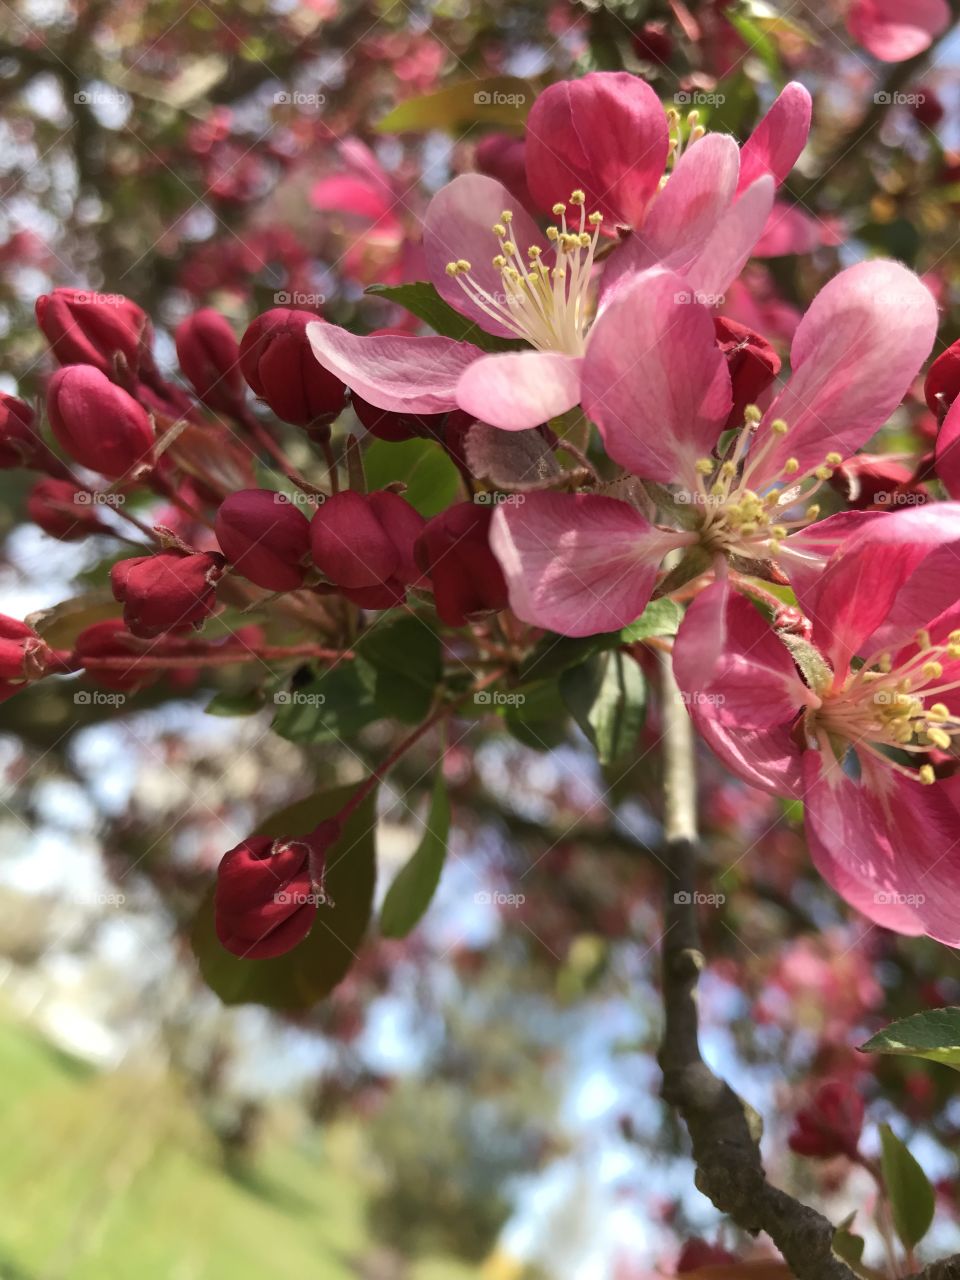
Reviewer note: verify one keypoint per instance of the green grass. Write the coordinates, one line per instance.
(111, 1177)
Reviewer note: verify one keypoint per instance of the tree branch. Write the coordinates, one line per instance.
(724, 1131)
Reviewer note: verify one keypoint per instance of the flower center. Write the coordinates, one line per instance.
(739, 521)
(548, 306)
(882, 706)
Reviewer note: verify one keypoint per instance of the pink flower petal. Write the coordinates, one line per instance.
(520, 390)
(894, 30)
(854, 356)
(732, 241)
(790, 229)
(605, 133)
(741, 688)
(579, 564)
(344, 193)
(685, 213)
(459, 225)
(778, 139)
(405, 374)
(654, 380)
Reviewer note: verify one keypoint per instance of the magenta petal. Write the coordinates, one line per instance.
(520, 390)
(741, 688)
(848, 831)
(732, 241)
(948, 451)
(606, 134)
(778, 139)
(686, 211)
(854, 356)
(579, 564)
(345, 193)
(790, 230)
(405, 374)
(654, 380)
(459, 225)
(894, 30)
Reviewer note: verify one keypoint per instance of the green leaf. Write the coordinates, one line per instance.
(310, 971)
(334, 706)
(246, 702)
(413, 889)
(432, 480)
(756, 39)
(910, 1193)
(422, 300)
(607, 697)
(659, 618)
(933, 1034)
(401, 663)
(536, 716)
(846, 1243)
(500, 101)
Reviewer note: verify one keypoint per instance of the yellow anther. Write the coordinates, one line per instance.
(953, 650)
(553, 233)
(703, 466)
(954, 637)
(885, 663)
(558, 209)
(813, 511)
(451, 268)
(926, 775)
(940, 738)
(595, 219)
(499, 229)
(779, 530)
(932, 670)
(791, 467)
(673, 116)
(584, 239)
(775, 547)
(834, 459)
(823, 473)
(506, 216)
(939, 711)
(752, 413)
(509, 247)
(577, 197)
(922, 638)
(499, 262)
(534, 251)
(693, 117)
(779, 427)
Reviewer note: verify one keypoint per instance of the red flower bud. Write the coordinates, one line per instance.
(699, 1253)
(387, 425)
(877, 480)
(170, 591)
(653, 43)
(91, 328)
(831, 1124)
(264, 537)
(364, 544)
(503, 156)
(280, 366)
(943, 381)
(268, 892)
(927, 108)
(454, 549)
(209, 356)
(111, 639)
(752, 363)
(63, 510)
(98, 423)
(20, 443)
(23, 656)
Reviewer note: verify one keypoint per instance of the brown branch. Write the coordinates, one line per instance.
(724, 1131)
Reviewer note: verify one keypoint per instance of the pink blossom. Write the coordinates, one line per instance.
(894, 31)
(658, 386)
(856, 722)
